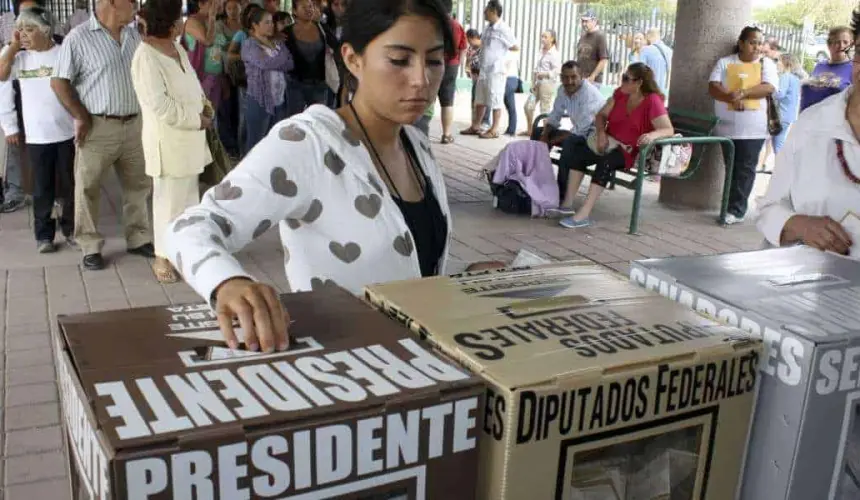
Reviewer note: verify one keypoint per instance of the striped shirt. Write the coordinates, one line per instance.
(100, 68)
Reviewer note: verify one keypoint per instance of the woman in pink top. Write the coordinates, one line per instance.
(634, 116)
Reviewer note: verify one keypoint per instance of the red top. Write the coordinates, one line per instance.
(628, 128)
(460, 42)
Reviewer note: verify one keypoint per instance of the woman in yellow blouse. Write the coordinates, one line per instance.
(174, 121)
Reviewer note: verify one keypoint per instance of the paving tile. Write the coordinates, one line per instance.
(33, 340)
(21, 395)
(25, 417)
(33, 357)
(35, 467)
(35, 440)
(54, 489)
(31, 375)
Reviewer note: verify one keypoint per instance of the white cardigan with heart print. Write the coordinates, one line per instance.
(316, 181)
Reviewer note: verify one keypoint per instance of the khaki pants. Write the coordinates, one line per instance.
(170, 197)
(544, 95)
(111, 142)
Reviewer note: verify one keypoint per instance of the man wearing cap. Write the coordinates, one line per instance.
(592, 52)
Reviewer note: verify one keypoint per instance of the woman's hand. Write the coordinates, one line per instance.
(261, 315)
(602, 141)
(647, 138)
(822, 233)
(13, 140)
(486, 265)
(205, 121)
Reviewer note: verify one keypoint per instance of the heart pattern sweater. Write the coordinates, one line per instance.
(316, 182)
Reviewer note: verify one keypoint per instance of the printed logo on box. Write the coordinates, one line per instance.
(784, 354)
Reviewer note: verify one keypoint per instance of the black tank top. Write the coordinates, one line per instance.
(425, 220)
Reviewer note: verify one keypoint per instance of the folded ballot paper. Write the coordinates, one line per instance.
(526, 258)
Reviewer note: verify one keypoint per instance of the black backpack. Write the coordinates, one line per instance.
(511, 198)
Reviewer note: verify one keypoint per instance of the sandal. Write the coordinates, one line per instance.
(470, 131)
(489, 135)
(525, 133)
(447, 139)
(164, 271)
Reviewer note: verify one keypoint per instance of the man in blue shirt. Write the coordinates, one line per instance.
(579, 100)
(658, 56)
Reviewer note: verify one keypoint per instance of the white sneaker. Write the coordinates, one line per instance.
(733, 219)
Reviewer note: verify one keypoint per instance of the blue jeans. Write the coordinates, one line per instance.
(779, 139)
(12, 183)
(511, 103)
(258, 121)
(300, 95)
(743, 173)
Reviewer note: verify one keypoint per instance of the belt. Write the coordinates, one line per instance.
(119, 118)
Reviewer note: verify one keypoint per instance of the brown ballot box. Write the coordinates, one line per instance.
(597, 389)
(157, 407)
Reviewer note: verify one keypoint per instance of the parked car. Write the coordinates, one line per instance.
(816, 48)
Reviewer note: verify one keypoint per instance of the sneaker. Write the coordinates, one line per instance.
(733, 219)
(12, 206)
(571, 223)
(46, 247)
(559, 212)
(71, 243)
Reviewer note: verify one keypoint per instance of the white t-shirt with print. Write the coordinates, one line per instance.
(46, 121)
(742, 124)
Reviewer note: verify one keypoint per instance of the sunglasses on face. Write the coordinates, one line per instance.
(627, 79)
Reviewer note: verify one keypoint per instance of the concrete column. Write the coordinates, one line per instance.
(705, 30)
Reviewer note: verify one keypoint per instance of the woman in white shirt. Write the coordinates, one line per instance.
(544, 79)
(356, 193)
(742, 110)
(174, 122)
(814, 195)
(49, 129)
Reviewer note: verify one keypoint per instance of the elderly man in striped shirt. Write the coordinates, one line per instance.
(93, 81)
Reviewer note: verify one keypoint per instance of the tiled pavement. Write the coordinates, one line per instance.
(34, 289)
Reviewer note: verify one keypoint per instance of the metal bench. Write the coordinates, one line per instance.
(696, 129)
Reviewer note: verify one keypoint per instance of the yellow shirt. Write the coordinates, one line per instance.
(171, 100)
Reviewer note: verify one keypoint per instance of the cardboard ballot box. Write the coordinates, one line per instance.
(805, 305)
(597, 389)
(156, 407)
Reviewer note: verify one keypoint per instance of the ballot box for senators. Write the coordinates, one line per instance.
(156, 406)
(805, 305)
(597, 389)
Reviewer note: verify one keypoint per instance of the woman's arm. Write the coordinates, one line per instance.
(234, 52)
(254, 55)
(7, 60)
(662, 128)
(720, 93)
(202, 34)
(152, 93)
(262, 190)
(602, 116)
(760, 91)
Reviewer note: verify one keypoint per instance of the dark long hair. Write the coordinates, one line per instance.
(364, 20)
(644, 74)
(745, 33)
(855, 23)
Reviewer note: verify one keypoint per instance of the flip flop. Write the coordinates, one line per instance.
(489, 135)
(470, 131)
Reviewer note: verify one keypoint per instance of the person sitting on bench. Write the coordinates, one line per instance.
(633, 117)
(580, 100)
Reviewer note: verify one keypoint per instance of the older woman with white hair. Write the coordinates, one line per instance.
(49, 128)
(813, 197)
